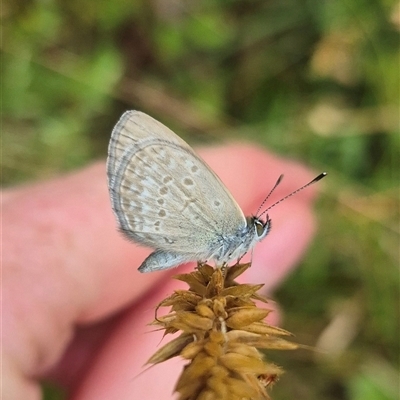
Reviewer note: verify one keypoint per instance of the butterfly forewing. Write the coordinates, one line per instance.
(133, 128)
(163, 194)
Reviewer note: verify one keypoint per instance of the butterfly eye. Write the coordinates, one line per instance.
(261, 228)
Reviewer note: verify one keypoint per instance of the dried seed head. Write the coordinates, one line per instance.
(222, 332)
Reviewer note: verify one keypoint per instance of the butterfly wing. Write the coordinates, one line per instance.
(163, 194)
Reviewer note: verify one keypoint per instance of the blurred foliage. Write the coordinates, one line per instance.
(314, 80)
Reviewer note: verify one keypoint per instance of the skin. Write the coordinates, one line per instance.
(75, 308)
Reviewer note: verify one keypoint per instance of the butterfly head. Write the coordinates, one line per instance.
(259, 227)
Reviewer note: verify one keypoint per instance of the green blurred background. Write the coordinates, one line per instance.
(314, 80)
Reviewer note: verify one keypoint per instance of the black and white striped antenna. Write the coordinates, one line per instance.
(316, 179)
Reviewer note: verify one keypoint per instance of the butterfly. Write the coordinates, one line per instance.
(166, 197)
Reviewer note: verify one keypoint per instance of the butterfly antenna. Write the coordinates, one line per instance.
(318, 178)
(269, 194)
